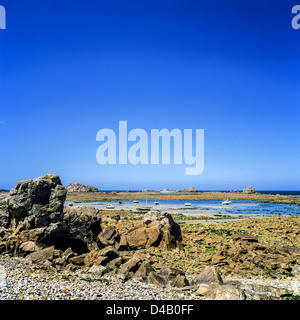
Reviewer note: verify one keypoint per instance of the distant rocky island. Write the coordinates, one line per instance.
(249, 190)
(77, 187)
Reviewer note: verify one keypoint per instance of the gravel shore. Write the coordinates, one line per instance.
(25, 281)
(21, 280)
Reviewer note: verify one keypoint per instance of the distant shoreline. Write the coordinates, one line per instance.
(283, 196)
(271, 192)
(108, 196)
(262, 192)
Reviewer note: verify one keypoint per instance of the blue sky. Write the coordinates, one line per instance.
(71, 68)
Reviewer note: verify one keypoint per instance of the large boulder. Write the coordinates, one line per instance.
(169, 236)
(137, 238)
(43, 255)
(77, 187)
(30, 247)
(36, 203)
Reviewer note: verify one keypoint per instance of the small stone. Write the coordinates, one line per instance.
(99, 270)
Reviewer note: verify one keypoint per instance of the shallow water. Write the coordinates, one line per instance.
(204, 207)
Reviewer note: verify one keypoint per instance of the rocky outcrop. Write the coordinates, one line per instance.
(35, 224)
(76, 187)
(35, 212)
(157, 229)
(249, 190)
(162, 230)
(166, 190)
(192, 189)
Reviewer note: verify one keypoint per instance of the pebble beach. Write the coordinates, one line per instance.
(25, 281)
(21, 280)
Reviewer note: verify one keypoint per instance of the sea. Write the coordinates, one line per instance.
(272, 192)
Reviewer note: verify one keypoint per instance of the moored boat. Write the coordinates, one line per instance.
(143, 208)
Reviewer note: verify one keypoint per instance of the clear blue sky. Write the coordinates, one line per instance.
(70, 68)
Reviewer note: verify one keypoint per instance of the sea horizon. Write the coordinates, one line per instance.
(272, 192)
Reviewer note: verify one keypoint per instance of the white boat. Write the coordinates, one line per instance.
(226, 202)
(187, 204)
(110, 206)
(135, 201)
(143, 209)
(156, 202)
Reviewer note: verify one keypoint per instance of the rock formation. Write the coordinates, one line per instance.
(192, 189)
(166, 190)
(35, 212)
(35, 224)
(37, 203)
(156, 229)
(76, 187)
(249, 190)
